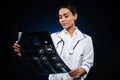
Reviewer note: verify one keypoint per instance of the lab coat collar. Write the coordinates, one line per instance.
(79, 34)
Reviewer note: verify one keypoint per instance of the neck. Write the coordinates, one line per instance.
(71, 30)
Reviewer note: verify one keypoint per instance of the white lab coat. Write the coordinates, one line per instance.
(82, 57)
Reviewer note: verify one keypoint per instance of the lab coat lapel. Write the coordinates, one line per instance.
(80, 35)
(61, 35)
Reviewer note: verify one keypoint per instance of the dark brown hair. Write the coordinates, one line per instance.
(70, 7)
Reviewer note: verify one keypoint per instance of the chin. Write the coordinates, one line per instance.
(65, 27)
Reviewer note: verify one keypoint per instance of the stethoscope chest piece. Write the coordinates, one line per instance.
(71, 52)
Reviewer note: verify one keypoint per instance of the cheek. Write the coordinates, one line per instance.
(59, 21)
(70, 22)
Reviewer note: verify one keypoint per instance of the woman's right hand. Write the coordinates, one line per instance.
(16, 48)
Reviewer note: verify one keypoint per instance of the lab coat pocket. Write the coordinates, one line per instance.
(77, 60)
(80, 59)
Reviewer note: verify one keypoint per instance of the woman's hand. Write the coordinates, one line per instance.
(77, 73)
(16, 48)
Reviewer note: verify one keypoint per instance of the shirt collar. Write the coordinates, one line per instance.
(77, 32)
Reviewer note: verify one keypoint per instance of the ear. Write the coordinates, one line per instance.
(76, 16)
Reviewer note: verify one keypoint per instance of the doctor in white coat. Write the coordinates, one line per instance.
(74, 47)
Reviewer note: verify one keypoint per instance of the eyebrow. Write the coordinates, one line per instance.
(64, 14)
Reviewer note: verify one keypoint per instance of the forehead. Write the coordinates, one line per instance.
(64, 11)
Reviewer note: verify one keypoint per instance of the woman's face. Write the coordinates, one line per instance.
(66, 18)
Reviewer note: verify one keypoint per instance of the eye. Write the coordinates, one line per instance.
(60, 17)
(66, 16)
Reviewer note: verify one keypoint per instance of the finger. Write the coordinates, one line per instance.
(75, 71)
(19, 54)
(74, 74)
(16, 41)
(16, 51)
(16, 48)
(16, 45)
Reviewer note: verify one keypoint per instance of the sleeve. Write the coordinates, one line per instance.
(54, 38)
(88, 59)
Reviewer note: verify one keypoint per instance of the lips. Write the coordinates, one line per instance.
(64, 24)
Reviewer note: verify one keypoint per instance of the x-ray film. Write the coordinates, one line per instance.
(39, 50)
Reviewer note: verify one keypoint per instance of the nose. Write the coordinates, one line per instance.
(63, 19)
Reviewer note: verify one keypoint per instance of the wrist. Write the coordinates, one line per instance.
(82, 70)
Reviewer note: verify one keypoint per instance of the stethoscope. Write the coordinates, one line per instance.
(63, 42)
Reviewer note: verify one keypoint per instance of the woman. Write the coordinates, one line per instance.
(74, 47)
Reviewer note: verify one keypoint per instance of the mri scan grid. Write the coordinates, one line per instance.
(39, 50)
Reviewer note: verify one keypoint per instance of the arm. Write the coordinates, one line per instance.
(88, 55)
(87, 62)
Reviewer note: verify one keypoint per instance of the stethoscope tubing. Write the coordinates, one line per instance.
(71, 51)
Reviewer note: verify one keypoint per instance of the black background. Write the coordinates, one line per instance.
(97, 18)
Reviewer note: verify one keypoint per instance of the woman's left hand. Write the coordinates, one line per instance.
(77, 72)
